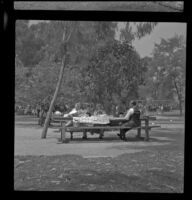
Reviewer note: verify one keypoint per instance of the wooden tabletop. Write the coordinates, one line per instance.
(112, 119)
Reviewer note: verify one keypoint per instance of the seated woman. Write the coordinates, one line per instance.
(99, 110)
(76, 112)
(120, 110)
(133, 117)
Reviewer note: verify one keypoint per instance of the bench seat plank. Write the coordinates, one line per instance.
(100, 128)
(78, 129)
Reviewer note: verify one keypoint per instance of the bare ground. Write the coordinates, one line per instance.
(140, 172)
(108, 165)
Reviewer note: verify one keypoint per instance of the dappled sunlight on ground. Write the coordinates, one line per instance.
(109, 164)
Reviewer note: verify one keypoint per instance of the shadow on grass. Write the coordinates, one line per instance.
(113, 139)
(93, 180)
(28, 125)
(164, 135)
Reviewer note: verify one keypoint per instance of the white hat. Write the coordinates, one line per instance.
(58, 113)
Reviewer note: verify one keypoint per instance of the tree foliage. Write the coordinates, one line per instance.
(28, 46)
(133, 30)
(167, 69)
(113, 75)
(39, 50)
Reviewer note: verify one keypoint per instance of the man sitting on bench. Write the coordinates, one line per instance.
(133, 117)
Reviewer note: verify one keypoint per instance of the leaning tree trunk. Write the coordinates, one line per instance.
(64, 44)
(179, 98)
(46, 124)
(180, 106)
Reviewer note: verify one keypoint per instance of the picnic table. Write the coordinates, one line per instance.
(115, 124)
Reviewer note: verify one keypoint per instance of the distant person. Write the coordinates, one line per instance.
(99, 110)
(63, 108)
(43, 113)
(141, 108)
(87, 110)
(38, 109)
(162, 108)
(119, 111)
(75, 112)
(57, 112)
(113, 109)
(133, 117)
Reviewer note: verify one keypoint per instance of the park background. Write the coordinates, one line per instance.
(109, 63)
(124, 73)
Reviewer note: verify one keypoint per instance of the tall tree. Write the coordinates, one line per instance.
(113, 73)
(169, 60)
(44, 39)
(86, 37)
(67, 32)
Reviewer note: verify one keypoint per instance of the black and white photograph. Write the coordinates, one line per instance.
(99, 106)
(99, 97)
(142, 6)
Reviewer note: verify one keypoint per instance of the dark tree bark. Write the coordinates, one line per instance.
(179, 97)
(65, 39)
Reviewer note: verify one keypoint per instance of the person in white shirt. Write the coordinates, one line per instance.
(76, 112)
(133, 119)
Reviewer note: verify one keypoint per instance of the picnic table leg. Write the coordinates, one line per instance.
(84, 135)
(101, 134)
(71, 135)
(63, 138)
(147, 129)
(139, 133)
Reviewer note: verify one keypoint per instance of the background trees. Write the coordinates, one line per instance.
(166, 70)
(113, 75)
(100, 67)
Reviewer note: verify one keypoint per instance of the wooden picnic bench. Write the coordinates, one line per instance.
(103, 128)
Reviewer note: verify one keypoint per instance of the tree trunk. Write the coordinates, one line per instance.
(180, 107)
(46, 124)
(65, 39)
(179, 97)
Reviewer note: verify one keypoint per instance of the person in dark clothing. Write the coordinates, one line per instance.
(43, 114)
(99, 110)
(119, 110)
(133, 117)
(38, 109)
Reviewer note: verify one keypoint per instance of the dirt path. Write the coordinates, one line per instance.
(98, 165)
(28, 141)
(157, 171)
